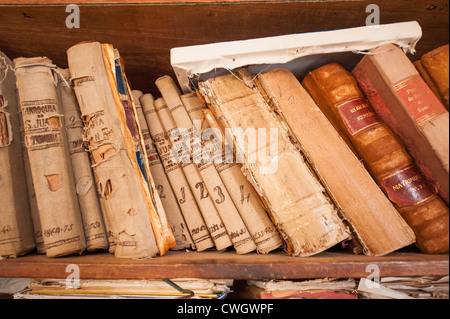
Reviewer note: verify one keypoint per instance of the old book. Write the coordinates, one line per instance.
(263, 231)
(16, 228)
(177, 223)
(192, 215)
(212, 219)
(48, 153)
(428, 80)
(91, 213)
(373, 219)
(436, 65)
(306, 218)
(129, 209)
(240, 236)
(384, 155)
(404, 102)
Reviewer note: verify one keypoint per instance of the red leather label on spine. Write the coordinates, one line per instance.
(406, 186)
(418, 98)
(357, 115)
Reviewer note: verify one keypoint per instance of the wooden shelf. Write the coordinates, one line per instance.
(276, 265)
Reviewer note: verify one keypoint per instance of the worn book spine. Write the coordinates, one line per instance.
(91, 213)
(136, 146)
(407, 105)
(16, 228)
(48, 153)
(177, 223)
(428, 80)
(214, 223)
(436, 64)
(263, 231)
(371, 216)
(306, 218)
(384, 155)
(235, 226)
(118, 183)
(192, 215)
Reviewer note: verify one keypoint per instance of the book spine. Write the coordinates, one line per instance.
(16, 228)
(165, 192)
(385, 157)
(191, 212)
(237, 230)
(397, 104)
(215, 225)
(113, 160)
(46, 142)
(263, 231)
(91, 213)
(306, 219)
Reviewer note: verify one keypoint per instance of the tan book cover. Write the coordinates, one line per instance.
(305, 216)
(215, 188)
(165, 192)
(384, 155)
(402, 99)
(48, 153)
(16, 227)
(192, 215)
(129, 208)
(91, 213)
(263, 231)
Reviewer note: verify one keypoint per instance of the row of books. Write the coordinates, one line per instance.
(249, 162)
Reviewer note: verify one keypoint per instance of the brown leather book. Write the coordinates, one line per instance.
(436, 64)
(407, 105)
(384, 155)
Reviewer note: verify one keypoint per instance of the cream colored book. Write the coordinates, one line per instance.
(16, 228)
(48, 153)
(296, 200)
(187, 203)
(91, 213)
(261, 228)
(165, 192)
(128, 206)
(235, 226)
(215, 225)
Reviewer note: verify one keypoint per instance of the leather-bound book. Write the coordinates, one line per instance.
(403, 100)
(384, 155)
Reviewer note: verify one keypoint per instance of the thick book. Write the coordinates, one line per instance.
(214, 186)
(373, 219)
(297, 203)
(16, 227)
(434, 69)
(91, 213)
(174, 215)
(196, 226)
(48, 154)
(263, 231)
(384, 155)
(403, 100)
(132, 209)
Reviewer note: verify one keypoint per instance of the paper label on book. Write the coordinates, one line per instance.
(418, 98)
(357, 115)
(406, 186)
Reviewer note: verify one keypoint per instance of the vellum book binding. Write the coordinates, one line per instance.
(214, 186)
(16, 228)
(91, 213)
(385, 157)
(192, 215)
(48, 153)
(165, 192)
(305, 216)
(129, 208)
(403, 100)
(263, 231)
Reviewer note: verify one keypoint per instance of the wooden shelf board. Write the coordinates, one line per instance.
(276, 265)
